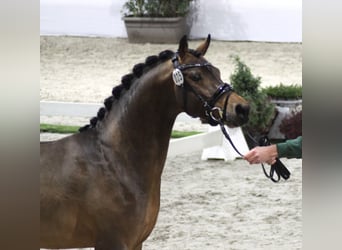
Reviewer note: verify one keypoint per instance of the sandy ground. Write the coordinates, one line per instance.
(86, 69)
(204, 204)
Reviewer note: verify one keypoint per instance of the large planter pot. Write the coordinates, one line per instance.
(292, 104)
(155, 30)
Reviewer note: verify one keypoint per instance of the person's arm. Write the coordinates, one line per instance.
(290, 148)
(262, 154)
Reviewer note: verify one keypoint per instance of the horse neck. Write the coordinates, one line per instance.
(140, 123)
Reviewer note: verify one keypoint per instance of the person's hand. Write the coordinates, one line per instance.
(259, 155)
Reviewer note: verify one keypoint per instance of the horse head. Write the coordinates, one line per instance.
(200, 90)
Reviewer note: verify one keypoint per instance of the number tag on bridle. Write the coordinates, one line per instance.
(178, 77)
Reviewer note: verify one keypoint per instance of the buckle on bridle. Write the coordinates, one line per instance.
(215, 114)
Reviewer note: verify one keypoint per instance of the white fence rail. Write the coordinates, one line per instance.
(212, 143)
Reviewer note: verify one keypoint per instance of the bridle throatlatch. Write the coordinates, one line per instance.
(215, 115)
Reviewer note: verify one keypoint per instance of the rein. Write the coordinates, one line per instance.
(277, 168)
(217, 116)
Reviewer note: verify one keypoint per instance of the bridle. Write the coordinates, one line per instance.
(214, 114)
(217, 116)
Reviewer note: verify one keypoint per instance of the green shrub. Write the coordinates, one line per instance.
(285, 92)
(262, 111)
(156, 8)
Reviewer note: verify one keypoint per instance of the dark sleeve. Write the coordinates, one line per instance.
(290, 148)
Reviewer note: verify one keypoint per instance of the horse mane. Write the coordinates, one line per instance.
(126, 82)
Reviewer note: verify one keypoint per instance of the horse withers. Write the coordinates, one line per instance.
(101, 187)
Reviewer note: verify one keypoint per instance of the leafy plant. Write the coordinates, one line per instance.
(262, 111)
(291, 126)
(156, 8)
(285, 92)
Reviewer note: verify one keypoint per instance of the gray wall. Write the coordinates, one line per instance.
(243, 20)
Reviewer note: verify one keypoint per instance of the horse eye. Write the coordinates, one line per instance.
(196, 77)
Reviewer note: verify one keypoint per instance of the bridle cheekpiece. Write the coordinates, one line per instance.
(214, 114)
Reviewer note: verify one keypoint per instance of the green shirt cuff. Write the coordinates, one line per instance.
(290, 148)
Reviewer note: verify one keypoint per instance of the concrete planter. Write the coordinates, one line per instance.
(292, 104)
(155, 30)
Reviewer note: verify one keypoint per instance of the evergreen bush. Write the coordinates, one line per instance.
(285, 92)
(156, 8)
(262, 111)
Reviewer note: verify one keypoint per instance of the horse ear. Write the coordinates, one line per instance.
(204, 46)
(183, 46)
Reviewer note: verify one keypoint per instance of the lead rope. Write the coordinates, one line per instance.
(278, 167)
(224, 131)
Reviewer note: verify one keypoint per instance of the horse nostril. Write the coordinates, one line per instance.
(242, 111)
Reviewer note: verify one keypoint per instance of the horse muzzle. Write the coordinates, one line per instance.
(232, 115)
(241, 113)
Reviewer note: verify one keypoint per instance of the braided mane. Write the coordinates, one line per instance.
(126, 82)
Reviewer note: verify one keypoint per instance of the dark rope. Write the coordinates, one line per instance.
(278, 167)
(225, 133)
